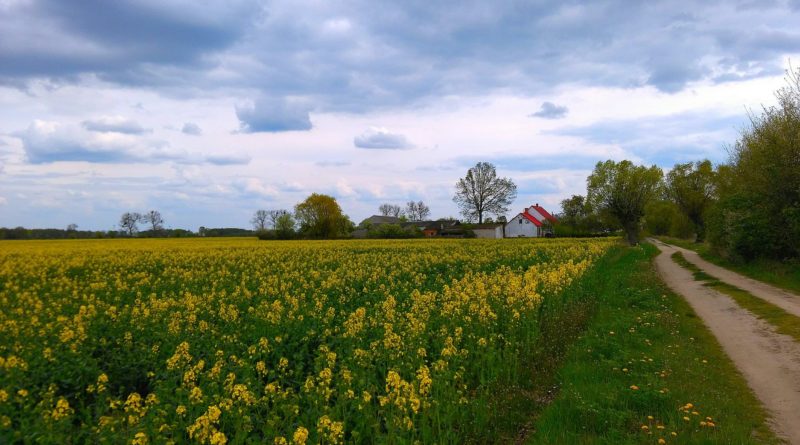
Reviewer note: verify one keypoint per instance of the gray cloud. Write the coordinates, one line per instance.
(123, 41)
(274, 115)
(227, 160)
(332, 163)
(363, 55)
(191, 128)
(114, 124)
(550, 110)
(381, 138)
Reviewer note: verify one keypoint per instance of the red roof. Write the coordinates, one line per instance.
(545, 213)
(530, 218)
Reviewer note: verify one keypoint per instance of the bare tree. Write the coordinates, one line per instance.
(417, 211)
(128, 222)
(153, 217)
(482, 192)
(72, 227)
(275, 217)
(259, 220)
(390, 210)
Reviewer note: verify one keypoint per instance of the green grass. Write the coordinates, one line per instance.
(784, 322)
(646, 353)
(783, 274)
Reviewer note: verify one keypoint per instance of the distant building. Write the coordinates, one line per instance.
(436, 228)
(379, 219)
(533, 222)
(490, 230)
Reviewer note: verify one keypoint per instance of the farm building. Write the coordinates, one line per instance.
(488, 230)
(532, 222)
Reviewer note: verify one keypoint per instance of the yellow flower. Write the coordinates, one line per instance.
(300, 436)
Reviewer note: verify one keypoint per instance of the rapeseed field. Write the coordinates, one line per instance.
(221, 341)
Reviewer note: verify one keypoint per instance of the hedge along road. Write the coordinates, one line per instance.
(770, 362)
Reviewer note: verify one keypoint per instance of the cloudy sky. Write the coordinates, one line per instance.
(209, 110)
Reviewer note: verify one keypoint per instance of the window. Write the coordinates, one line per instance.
(520, 220)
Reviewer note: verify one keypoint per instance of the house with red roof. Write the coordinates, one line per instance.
(532, 222)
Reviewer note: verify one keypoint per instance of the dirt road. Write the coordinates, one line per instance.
(779, 297)
(770, 362)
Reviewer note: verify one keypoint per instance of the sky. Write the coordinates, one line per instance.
(210, 110)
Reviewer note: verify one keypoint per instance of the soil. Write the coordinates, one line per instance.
(770, 362)
(779, 297)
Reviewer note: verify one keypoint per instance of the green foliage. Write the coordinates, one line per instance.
(321, 217)
(396, 231)
(692, 187)
(622, 190)
(664, 218)
(758, 213)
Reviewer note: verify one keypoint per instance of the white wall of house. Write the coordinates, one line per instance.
(519, 226)
(496, 232)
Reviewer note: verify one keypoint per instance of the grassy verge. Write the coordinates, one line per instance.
(784, 322)
(648, 371)
(785, 275)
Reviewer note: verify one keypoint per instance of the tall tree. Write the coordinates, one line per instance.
(321, 217)
(284, 226)
(758, 208)
(481, 192)
(153, 217)
(390, 210)
(129, 221)
(417, 211)
(623, 190)
(275, 215)
(692, 187)
(573, 210)
(259, 220)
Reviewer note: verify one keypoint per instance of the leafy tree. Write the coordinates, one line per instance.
(284, 226)
(758, 212)
(417, 211)
(153, 217)
(663, 217)
(390, 210)
(692, 187)
(573, 210)
(275, 215)
(481, 192)
(72, 227)
(623, 189)
(129, 221)
(321, 217)
(259, 220)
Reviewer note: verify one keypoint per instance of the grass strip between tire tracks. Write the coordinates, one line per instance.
(784, 322)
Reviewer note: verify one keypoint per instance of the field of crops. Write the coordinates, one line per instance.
(239, 341)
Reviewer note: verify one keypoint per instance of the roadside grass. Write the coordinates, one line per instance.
(784, 322)
(648, 371)
(783, 274)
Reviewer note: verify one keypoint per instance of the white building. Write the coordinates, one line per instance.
(530, 223)
(488, 231)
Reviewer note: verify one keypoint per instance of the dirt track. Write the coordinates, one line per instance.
(779, 297)
(770, 362)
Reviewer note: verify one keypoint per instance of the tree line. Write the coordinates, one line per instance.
(746, 208)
